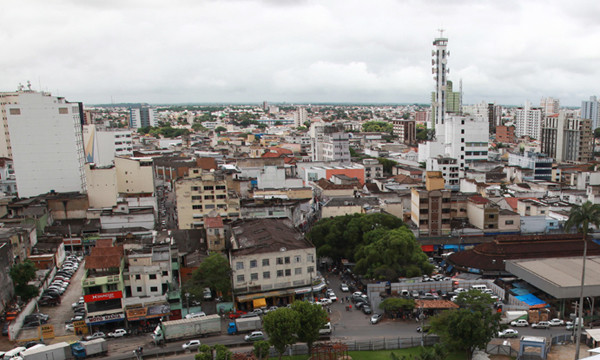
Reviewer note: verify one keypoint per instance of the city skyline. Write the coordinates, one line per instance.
(299, 51)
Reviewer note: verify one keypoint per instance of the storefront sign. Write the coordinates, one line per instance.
(148, 312)
(47, 331)
(95, 320)
(80, 327)
(104, 296)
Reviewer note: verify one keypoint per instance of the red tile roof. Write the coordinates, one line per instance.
(213, 222)
(478, 199)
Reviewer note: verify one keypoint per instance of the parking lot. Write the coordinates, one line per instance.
(62, 313)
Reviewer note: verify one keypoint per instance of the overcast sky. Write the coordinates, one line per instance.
(98, 51)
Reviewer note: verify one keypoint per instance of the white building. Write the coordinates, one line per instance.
(43, 138)
(529, 121)
(329, 143)
(589, 111)
(440, 71)
(274, 177)
(300, 116)
(102, 145)
(550, 105)
(464, 138)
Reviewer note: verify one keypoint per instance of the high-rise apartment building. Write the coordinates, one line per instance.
(405, 130)
(142, 116)
(589, 111)
(300, 116)
(550, 105)
(529, 121)
(566, 138)
(42, 135)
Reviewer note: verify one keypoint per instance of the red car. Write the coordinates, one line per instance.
(235, 315)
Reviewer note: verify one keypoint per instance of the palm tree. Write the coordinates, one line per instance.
(581, 217)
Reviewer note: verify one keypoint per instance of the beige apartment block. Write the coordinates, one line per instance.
(204, 193)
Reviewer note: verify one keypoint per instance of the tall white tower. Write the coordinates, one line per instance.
(440, 71)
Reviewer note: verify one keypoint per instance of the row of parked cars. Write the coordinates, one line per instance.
(60, 282)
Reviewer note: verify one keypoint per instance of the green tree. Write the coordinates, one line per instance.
(277, 123)
(205, 352)
(281, 325)
(312, 317)
(261, 349)
(397, 305)
(199, 127)
(220, 129)
(394, 254)
(21, 274)
(470, 327)
(214, 272)
(338, 237)
(388, 165)
(581, 217)
(378, 126)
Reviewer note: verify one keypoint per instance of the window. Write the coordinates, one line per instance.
(138, 277)
(265, 262)
(279, 273)
(139, 289)
(239, 265)
(491, 216)
(266, 275)
(253, 276)
(240, 278)
(196, 197)
(152, 276)
(298, 271)
(297, 259)
(165, 273)
(63, 111)
(221, 196)
(310, 269)
(310, 258)
(220, 187)
(288, 272)
(209, 197)
(253, 263)
(208, 188)
(153, 288)
(509, 222)
(279, 261)
(197, 207)
(287, 259)
(15, 111)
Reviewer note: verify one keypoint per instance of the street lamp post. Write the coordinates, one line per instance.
(187, 300)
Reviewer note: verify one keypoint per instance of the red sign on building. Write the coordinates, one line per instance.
(104, 296)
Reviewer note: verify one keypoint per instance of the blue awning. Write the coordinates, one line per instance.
(531, 300)
(450, 267)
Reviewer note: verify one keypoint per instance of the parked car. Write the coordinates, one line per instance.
(96, 335)
(556, 322)
(332, 296)
(366, 309)
(344, 287)
(49, 301)
(519, 322)
(118, 333)
(191, 345)
(70, 327)
(541, 325)
(508, 333)
(375, 318)
(195, 315)
(255, 336)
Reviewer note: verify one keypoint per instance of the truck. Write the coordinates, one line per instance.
(244, 325)
(186, 328)
(326, 330)
(86, 349)
(58, 351)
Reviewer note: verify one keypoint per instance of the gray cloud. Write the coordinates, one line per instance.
(295, 51)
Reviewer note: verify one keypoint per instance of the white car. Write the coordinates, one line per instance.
(324, 301)
(508, 333)
(118, 333)
(556, 322)
(520, 322)
(69, 327)
(332, 296)
(191, 345)
(96, 335)
(195, 315)
(344, 288)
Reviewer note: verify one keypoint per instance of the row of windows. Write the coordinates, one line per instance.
(279, 273)
(151, 276)
(239, 265)
(209, 197)
(209, 206)
(209, 188)
(476, 153)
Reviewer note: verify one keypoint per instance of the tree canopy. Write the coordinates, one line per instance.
(21, 274)
(367, 240)
(311, 318)
(470, 327)
(166, 131)
(378, 126)
(281, 325)
(388, 165)
(214, 272)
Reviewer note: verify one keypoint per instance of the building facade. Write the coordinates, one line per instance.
(529, 121)
(43, 138)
